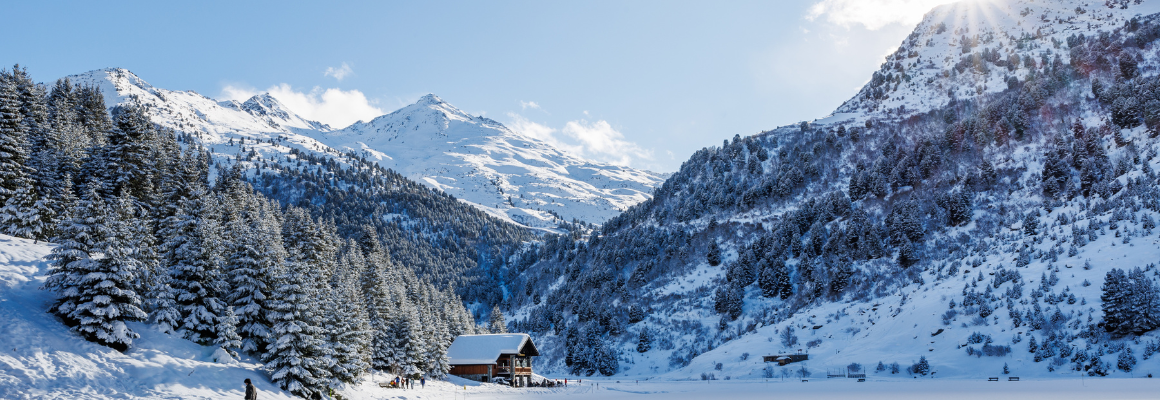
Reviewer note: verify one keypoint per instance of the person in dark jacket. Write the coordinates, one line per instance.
(251, 392)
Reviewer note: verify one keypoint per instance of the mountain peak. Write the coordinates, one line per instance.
(430, 99)
(265, 105)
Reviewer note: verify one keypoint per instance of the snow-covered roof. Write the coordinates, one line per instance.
(486, 349)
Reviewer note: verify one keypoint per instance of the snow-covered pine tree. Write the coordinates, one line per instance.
(194, 262)
(1126, 361)
(437, 341)
(1115, 297)
(93, 115)
(922, 367)
(296, 355)
(714, 254)
(127, 161)
(73, 256)
(226, 332)
(496, 322)
(253, 252)
(97, 295)
(348, 324)
(378, 293)
(644, 340)
(18, 215)
(409, 336)
(1144, 300)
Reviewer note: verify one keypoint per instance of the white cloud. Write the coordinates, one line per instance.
(239, 93)
(597, 141)
(529, 104)
(603, 143)
(335, 107)
(338, 73)
(539, 131)
(872, 14)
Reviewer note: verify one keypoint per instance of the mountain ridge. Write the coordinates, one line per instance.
(506, 174)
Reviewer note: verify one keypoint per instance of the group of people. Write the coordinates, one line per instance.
(407, 383)
(398, 382)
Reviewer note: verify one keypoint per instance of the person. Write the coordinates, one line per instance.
(423, 382)
(251, 392)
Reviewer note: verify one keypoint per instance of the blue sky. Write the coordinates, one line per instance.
(641, 83)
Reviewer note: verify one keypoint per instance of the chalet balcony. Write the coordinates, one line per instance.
(503, 369)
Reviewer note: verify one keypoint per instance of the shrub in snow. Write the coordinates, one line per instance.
(803, 372)
(922, 367)
(788, 338)
(1096, 368)
(977, 338)
(1126, 361)
(714, 255)
(644, 341)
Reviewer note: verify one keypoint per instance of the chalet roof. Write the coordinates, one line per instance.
(485, 349)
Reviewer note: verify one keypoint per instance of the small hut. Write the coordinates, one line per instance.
(486, 357)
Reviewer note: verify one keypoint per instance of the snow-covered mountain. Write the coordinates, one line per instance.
(475, 159)
(962, 210)
(482, 161)
(966, 49)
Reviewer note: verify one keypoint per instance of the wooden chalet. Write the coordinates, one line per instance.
(783, 359)
(486, 357)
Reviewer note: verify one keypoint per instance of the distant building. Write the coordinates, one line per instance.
(486, 357)
(784, 359)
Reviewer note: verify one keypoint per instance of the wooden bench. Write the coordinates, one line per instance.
(993, 379)
(1013, 379)
(861, 379)
(805, 380)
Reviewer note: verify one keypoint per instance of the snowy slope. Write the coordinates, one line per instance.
(922, 75)
(475, 159)
(43, 359)
(483, 162)
(896, 314)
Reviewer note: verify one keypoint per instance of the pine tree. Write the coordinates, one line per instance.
(1126, 361)
(1144, 302)
(922, 367)
(126, 162)
(193, 258)
(714, 255)
(226, 334)
(253, 252)
(19, 215)
(378, 294)
(1115, 299)
(496, 323)
(295, 356)
(97, 296)
(644, 341)
(72, 257)
(348, 322)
